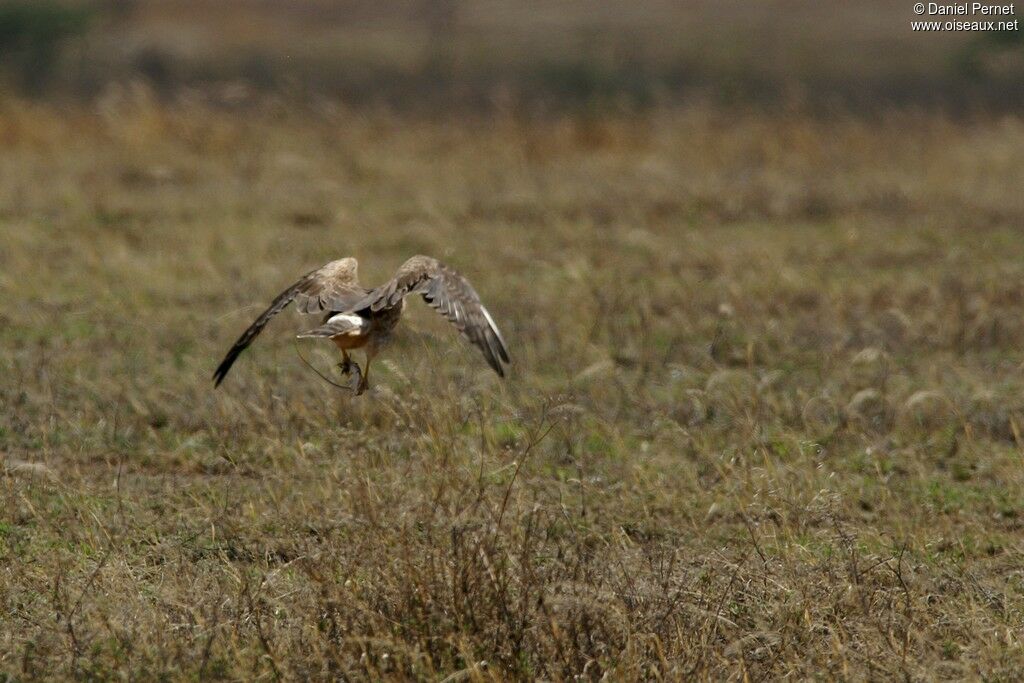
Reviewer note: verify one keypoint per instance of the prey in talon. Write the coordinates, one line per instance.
(349, 368)
(357, 318)
(346, 365)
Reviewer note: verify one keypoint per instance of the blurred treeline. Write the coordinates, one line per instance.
(440, 54)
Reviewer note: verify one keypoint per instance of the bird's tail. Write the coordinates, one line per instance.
(337, 325)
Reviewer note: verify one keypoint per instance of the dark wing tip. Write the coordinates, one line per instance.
(492, 351)
(225, 365)
(495, 341)
(220, 373)
(502, 349)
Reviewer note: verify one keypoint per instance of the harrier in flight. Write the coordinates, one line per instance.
(360, 318)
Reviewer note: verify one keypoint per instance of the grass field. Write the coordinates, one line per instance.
(763, 420)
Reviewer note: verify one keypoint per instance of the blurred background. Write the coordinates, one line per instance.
(760, 269)
(486, 54)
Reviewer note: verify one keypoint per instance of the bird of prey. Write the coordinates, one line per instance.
(359, 318)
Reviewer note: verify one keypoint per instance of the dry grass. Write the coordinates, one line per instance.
(764, 416)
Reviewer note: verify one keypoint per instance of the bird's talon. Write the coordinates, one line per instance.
(346, 367)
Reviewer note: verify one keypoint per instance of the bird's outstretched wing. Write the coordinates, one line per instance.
(334, 287)
(452, 296)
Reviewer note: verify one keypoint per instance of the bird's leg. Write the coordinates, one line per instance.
(364, 378)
